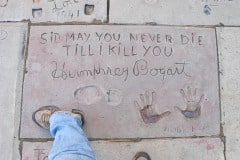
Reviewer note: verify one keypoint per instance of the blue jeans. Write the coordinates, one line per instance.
(70, 141)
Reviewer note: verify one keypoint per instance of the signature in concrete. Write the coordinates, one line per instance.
(147, 108)
(193, 105)
(3, 3)
(62, 4)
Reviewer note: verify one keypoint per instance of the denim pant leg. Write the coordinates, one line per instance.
(70, 141)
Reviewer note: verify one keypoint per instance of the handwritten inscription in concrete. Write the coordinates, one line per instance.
(54, 10)
(130, 81)
(184, 149)
(69, 10)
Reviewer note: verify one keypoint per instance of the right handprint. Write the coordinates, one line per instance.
(193, 105)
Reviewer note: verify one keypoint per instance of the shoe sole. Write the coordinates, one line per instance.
(142, 155)
(76, 111)
(41, 109)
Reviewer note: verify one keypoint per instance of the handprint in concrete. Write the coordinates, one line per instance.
(147, 108)
(193, 105)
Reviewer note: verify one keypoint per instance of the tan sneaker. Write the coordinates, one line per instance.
(42, 115)
(141, 156)
(79, 114)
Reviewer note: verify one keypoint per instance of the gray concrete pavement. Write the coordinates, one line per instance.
(14, 52)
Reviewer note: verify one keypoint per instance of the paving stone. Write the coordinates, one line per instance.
(229, 46)
(107, 71)
(12, 43)
(14, 10)
(69, 10)
(175, 12)
(54, 10)
(183, 149)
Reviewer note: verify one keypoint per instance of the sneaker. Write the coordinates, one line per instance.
(142, 156)
(78, 114)
(42, 115)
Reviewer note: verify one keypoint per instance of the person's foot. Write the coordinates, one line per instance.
(42, 116)
(79, 114)
(142, 156)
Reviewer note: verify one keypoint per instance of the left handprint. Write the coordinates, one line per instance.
(147, 110)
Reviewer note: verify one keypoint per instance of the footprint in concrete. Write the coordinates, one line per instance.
(114, 97)
(88, 95)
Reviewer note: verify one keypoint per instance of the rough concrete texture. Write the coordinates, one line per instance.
(229, 47)
(14, 10)
(178, 15)
(12, 44)
(69, 11)
(54, 11)
(175, 12)
(106, 70)
(177, 149)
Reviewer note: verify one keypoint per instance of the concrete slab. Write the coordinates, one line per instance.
(14, 10)
(69, 11)
(131, 81)
(184, 149)
(229, 46)
(175, 12)
(54, 10)
(10, 35)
